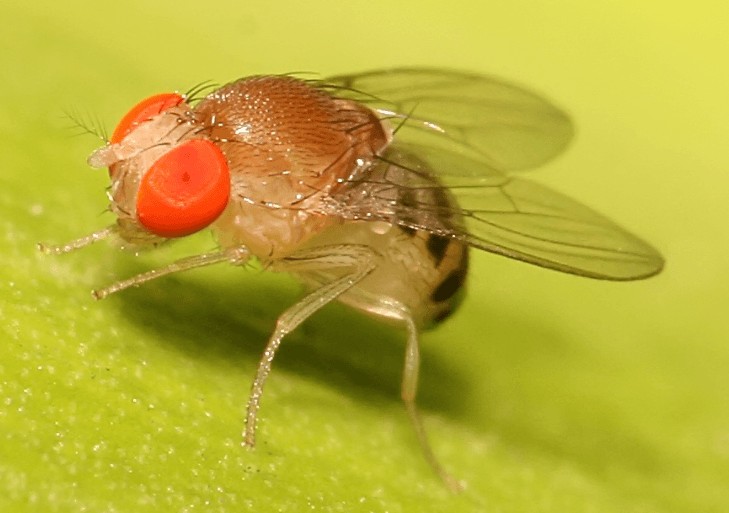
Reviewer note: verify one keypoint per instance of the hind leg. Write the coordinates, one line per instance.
(408, 392)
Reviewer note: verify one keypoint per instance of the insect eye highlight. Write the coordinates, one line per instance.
(184, 190)
(144, 111)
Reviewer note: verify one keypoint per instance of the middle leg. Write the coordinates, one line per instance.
(357, 260)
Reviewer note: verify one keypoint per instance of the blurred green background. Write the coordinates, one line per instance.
(545, 392)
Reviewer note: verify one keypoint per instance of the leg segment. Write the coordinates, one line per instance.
(82, 242)
(234, 256)
(358, 260)
(408, 392)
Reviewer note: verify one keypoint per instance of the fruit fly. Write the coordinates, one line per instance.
(370, 188)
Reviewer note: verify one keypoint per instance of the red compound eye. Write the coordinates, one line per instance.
(184, 190)
(144, 111)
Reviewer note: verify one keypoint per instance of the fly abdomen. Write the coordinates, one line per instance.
(449, 258)
(430, 204)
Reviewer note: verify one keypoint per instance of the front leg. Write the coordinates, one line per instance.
(358, 261)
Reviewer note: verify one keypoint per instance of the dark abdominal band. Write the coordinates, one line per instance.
(437, 247)
(450, 291)
(449, 286)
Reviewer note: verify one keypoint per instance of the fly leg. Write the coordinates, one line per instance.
(79, 243)
(408, 391)
(237, 255)
(358, 261)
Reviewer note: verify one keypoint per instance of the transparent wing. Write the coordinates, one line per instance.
(502, 214)
(458, 136)
(500, 125)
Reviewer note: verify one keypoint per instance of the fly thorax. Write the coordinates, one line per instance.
(288, 145)
(266, 230)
